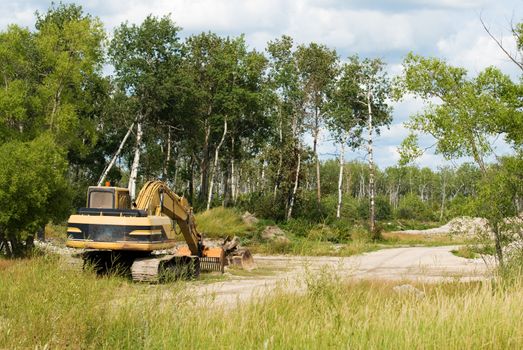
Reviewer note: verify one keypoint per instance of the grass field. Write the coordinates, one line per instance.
(42, 305)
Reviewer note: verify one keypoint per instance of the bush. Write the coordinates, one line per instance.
(263, 205)
(412, 207)
(382, 207)
(33, 190)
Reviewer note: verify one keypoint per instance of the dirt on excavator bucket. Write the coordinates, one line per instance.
(241, 258)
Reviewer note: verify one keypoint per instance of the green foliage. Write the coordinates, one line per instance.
(383, 208)
(33, 189)
(409, 150)
(412, 207)
(470, 111)
(182, 91)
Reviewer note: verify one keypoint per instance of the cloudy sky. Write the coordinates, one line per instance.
(449, 29)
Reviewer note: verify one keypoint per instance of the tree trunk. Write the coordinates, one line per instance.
(497, 244)
(204, 164)
(371, 167)
(340, 179)
(168, 155)
(280, 160)
(177, 162)
(262, 181)
(295, 188)
(216, 154)
(315, 133)
(191, 180)
(233, 178)
(136, 161)
(56, 102)
(443, 197)
(239, 186)
(115, 156)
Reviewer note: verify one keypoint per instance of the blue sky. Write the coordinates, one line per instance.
(449, 29)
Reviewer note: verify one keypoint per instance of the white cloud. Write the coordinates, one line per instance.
(473, 49)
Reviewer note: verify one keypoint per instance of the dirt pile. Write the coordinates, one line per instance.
(465, 226)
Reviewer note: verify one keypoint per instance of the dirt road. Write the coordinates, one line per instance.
(421, 264)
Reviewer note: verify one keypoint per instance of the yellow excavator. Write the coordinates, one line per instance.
(112, 231)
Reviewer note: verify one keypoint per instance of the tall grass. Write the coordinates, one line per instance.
(221, 222)
(43, 305)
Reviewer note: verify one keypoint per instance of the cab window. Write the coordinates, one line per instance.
(101, 199)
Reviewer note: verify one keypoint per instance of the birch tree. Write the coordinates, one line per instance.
(317, 67)
(464, 115)
(374, 95)
(144, 56)
(288, 120)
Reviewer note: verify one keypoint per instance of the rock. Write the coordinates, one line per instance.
(282, 239)
(273, 233)
(513, 250)
(249, 218)
(407, 289)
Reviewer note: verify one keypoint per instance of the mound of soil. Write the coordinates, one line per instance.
(465, 225)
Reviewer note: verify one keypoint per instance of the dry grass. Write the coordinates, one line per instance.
(44, 306)
(6, 264)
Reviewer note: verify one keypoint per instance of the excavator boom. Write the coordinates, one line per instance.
(156, 198)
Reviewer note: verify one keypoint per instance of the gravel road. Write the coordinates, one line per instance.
(419, 264)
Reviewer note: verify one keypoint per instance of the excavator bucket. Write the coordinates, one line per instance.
(241, 258)
(236, 256)
(228, 254)
(213, 259)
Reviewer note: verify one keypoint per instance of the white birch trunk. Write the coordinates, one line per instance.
(168, 156)
(443, 197)
(295, 188)
(239, 185)
(136, 161)
(115, 156)
(216, 154)
(371, 164)
(233, 178)
(340, 179)
(263, 176)
(280, 160)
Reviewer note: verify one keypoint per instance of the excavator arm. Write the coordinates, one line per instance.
(156, 198)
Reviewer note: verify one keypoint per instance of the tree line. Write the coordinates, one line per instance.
(225, 124)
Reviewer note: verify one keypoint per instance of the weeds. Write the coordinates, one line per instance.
(221, 222)
(44, 306)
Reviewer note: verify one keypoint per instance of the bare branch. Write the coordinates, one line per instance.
(500, 45)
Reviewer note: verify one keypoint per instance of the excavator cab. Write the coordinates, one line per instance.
(108, 198)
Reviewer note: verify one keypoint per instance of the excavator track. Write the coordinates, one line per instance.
(155, 269)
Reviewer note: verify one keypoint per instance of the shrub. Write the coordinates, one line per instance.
(412, 207)
(382, 207)
(33, 190)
